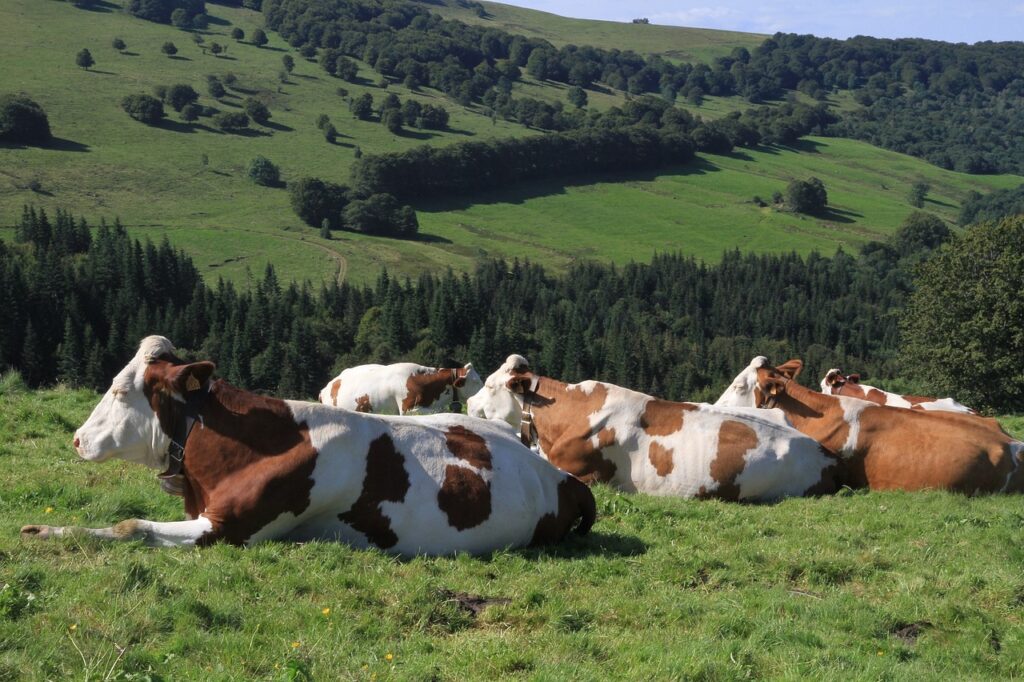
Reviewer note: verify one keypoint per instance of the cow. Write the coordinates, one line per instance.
(257, 468)
(836, 383)
(887, 448)
(605, 433)
(401, 388)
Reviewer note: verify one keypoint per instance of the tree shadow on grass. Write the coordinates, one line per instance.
(424, 238)
(838, 215)
(939, 203)
(179, 58)
(214, 20)
(176, 126)
(521, 192)
(102, 73)
(412, 134)
(129, 53)
(226, 57)
(101, 6)
(309, 78)
(248, 132)
(279, 127)
(65, 145)
(805, 146)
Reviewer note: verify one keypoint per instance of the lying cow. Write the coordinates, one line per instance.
(401, 388)
(835, 383)
(258, 468)
(883, 447)
(602, 432)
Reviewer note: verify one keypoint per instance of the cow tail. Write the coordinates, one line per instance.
(585, 502)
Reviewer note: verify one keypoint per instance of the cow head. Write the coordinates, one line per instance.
(746, 391)
(134, 419)
(501, 395)
(467, 380)
(833, 381)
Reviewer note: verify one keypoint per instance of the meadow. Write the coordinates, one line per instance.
(856, 586)
(188, 183)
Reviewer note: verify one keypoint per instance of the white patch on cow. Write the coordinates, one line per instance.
(386, 387)
(586, 387)
(852, 407)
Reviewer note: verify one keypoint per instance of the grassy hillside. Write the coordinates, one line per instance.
(858, 585)
(674, 42)
(189, 183)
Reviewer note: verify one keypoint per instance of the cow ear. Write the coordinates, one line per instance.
(519, 383)
(853, 378)
(187, 378)
(791, 369)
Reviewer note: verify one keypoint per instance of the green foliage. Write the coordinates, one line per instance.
(962, 326)
(169, 49)
(918, 192)
(330, 132)
(392, 120)
(263, 172)
(180, 95)
(259, 38)
(380, 214)
(237, 33)
(161, 11)
(362, 106)
(577, 96)
(806, 196)
(288, 62)
(23, 121)
(143, 108)
(991, 207)
(84, 59)
(231, 121)
(191, 113)
(257, 110)
(215, 88)
(315, 200)
(119, 44)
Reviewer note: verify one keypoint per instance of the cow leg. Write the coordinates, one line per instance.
(155, 533)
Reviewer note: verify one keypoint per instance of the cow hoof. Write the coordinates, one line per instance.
(35, 532)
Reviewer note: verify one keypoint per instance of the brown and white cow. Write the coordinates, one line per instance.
(887, 448)
(836, 383)
(401, 388)
(602, 432)
(257, 468)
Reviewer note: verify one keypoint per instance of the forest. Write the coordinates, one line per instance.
(676, 327)
(956, 105)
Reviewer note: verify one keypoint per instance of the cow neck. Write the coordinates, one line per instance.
(538, 423)
(818, 415)
(181, 430)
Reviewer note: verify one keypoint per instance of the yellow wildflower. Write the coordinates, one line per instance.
(326, 611)
(49, 510)
(388, 656)
(296, 645)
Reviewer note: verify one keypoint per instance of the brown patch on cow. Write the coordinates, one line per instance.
(363, 404)
(735, 439)
(386, 480)
(875, 396)
(575, 501)
(831, 477)
(561, 416)
(661, 459)
(423, 389)
(662, 418)
(247, 463)
(465, 497)
(468, 446)
(335, 387)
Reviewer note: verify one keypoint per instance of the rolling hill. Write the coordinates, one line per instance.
(188, 182)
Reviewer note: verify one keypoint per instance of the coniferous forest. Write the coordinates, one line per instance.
(78, 299)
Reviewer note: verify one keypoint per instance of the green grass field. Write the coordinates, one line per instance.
(857, 586)
(189, 182)
(674, 42)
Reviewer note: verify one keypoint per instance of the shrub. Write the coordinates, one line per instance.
(84, 59)
(257, 110)
(191, 112)
(163, 11)
(118, 44)
(259, 38)
(169, 49)
(143, 108)
(231, 120)
(315, 200)
(262, 171)
(215, 88)
(179, 95)
(380, 214)
(806, 196)
(23, 121)
(330, 133)
(237, 33)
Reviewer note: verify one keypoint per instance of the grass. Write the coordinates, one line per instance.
(189, 183)
(862, 586)
(673, 42)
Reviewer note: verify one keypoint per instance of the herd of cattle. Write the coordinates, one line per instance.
(514, 471)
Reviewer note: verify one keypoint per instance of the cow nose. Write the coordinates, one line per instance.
(76, 442)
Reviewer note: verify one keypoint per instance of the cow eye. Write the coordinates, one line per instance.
(119, 393)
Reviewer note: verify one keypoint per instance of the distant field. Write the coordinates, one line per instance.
(857, 586)
(675, 42)
(156, 180)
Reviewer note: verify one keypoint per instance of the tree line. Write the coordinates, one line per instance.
(77, 299)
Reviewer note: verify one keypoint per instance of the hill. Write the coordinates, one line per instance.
(673, 42)
(189, 182)
(879, 585)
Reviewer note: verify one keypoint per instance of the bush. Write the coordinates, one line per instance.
(169, 49)
(84, 59)
(200, 22)
(23, 121)
(806, 196)
(961, 327)
(259, 38)
(257, 110)
(118, 44)
(237, 33)
(392, 120)
(263, 172)
(143, 108)
(180, 95)
(161, 11)
(433, 117)
(215, 88)
(380, 214)
(330, 133)
(191, 112)
(315, 200)
(231, 120)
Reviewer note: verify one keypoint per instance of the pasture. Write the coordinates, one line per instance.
(868, 586)
(188, 183)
